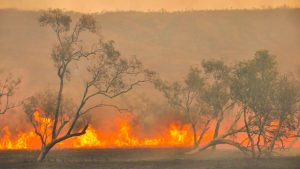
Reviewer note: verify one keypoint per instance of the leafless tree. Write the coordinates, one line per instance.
(109, 74)
(8, 87)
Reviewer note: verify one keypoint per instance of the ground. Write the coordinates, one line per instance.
(144, 159)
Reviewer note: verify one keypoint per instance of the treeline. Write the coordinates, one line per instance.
(263, 103)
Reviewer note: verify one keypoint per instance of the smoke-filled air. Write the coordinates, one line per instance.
(188, 84)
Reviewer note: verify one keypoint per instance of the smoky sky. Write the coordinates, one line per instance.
(144, 5)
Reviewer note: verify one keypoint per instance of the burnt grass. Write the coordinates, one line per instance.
(164, 158)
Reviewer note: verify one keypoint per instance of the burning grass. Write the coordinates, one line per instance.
(123, 135)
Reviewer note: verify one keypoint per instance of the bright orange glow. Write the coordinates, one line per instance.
(175, 135)
(124, 135)
(89, 139)
(20, 142)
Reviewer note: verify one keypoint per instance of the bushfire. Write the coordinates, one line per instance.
(124, 135)
(175, 135)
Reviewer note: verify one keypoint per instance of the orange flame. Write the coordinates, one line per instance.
(21, 141)
(124, 135)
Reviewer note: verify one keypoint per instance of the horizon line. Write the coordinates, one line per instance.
(162, 10)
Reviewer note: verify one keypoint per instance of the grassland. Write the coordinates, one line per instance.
(143, 159)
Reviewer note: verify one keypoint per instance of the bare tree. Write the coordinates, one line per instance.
(109, 74)
(8, 87)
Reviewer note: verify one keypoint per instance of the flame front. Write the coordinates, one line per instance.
(124, 136)
(20, 142)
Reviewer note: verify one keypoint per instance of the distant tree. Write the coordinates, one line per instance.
(8, 87)
(187, 99)
(109, 75)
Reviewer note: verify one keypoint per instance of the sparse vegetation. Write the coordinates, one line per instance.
(267, 103)
(109, 76)
(249, 103)
(8, 88)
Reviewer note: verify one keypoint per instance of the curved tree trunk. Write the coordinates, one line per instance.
(44, 151)
(217, 128)
(275, 138)
(47, 148)
(43, 154)
(220, 141)
(249, 135)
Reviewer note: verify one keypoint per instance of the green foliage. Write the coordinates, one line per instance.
(217, 93)
(57, 19)
(286, 102)
(252, 82)
(217, 69)
(269, 100)
(183, 95)
(46, 101)
(87, 22)
(172, 92)
(194, 81)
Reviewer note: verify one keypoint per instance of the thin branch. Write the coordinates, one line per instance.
(102, 105)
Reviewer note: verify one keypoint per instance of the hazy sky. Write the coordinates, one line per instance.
(142, 5)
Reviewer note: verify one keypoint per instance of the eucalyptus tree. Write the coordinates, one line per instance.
(268, 104)
(107, 74)
(217, 92)
(286, 115)
(186, 98)
(252, 87)
(297, 134)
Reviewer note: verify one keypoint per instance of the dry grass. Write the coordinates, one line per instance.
(142, 159)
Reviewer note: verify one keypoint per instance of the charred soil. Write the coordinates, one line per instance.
(164, 158)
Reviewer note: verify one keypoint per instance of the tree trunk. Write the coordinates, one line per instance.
(43, 153)
(195, 135)
(59, 98)
(275, 137)
(46, 149)
(217, 128)
(220, 141)
(248, 134)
